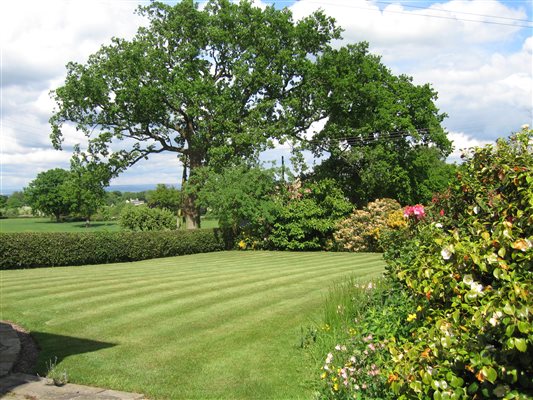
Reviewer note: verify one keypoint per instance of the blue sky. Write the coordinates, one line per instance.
(481, 68)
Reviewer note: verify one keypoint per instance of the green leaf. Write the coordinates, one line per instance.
(490, 373)
(523, 327)
(520, 344)
(508, 309)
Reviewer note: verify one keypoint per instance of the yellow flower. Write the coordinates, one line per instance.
(323, 376)
(242, 245)
(411, 317)
(419, 308)
(336, 387)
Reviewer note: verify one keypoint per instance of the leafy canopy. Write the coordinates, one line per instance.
(46, 193)
(383, 133)
(214, 85)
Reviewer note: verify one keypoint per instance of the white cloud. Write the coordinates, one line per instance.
(483, 78)
(482, 71)
(462, 141)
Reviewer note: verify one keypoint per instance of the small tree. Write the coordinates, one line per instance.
(166, 197)
(242, 198)
(85, 188)
(46, 193)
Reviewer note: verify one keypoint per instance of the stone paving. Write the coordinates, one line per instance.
(17, 386)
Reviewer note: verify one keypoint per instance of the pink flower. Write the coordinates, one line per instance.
(417, 211)
(371, 347)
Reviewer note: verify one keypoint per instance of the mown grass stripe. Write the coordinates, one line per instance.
(220, 325)
(214, 291)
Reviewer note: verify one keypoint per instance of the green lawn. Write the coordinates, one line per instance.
(218, 325)
(47, 225)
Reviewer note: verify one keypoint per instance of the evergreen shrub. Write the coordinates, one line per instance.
(47, 249)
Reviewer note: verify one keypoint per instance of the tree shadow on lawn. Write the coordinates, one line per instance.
(55, 348)
(40, 349)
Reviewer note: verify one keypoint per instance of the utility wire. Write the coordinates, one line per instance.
(323, 3)
(456, 12)
(422, 15)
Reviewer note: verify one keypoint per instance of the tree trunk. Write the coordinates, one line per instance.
(191, 212)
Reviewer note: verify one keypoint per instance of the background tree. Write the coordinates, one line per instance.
(16, 200)
(85, 188)
(46, 193)
(383, 134)
(242, 198)
(213, 85)
(164, 196)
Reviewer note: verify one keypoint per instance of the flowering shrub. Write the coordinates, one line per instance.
(468, 267)
(417, 212)
(306, 216)
(363, 229)
(355, 339)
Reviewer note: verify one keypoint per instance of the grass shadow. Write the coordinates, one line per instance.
(54, 346)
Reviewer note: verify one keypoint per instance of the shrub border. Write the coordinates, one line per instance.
(50, 249)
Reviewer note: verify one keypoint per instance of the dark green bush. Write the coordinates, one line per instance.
(142, 218)
(46, 249)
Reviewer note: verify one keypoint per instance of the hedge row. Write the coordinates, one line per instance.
(46, 249)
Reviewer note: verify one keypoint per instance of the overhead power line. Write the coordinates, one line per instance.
(352, 6)
(457, 12)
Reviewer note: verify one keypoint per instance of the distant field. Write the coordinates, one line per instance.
(223, 325)
(47, 225)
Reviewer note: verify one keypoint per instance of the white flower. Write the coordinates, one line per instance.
(525, 126)
(476, 287)
(438, 225)
(446, 253)
(476, 210)
(468, 280)
(329, 358)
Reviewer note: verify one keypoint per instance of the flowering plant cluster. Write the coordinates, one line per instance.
(469, 272)
(364, 229)
(355, 359)
(417, 212)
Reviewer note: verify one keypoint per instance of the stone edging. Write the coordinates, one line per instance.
(9, 348)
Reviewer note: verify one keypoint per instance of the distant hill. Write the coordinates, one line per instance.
(137, 187)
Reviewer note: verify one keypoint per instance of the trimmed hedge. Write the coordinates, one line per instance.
(47, 249)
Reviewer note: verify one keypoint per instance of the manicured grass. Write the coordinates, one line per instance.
(47, 225)
(217, 325)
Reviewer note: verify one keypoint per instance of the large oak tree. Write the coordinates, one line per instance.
(382, 136)
(213, 85)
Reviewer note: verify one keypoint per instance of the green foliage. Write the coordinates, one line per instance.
(30, 250)
(242, 198)
(166, 197)
(16, 200)
(306, 216)
(142, 218)
(351, 346)
(213, 85)
(85, 187)
(46, 193)
(363, 229)
(469, 272)
(383, 136)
